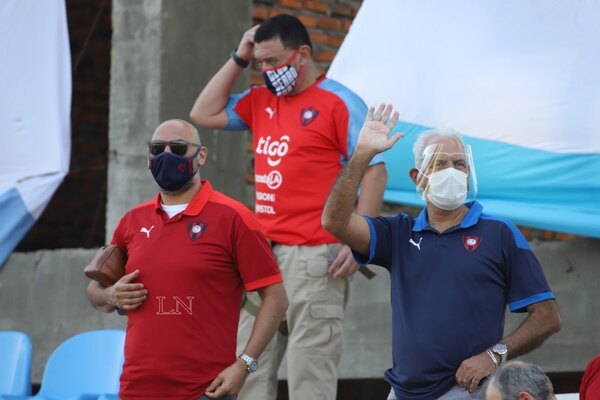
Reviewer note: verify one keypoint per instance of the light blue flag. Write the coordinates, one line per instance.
(35, 103)
(519, 78)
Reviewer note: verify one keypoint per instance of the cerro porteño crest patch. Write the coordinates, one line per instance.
(471, 242)
(196, 229)
(308, 115)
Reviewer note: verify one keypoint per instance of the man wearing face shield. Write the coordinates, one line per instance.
(453, 269)
(305, 127)
(190, 252)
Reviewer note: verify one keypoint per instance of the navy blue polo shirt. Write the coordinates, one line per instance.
(449, 292)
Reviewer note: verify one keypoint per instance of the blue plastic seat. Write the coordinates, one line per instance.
(15, 363)
(83, 367)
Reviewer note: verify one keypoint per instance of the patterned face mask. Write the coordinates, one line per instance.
(281, 80)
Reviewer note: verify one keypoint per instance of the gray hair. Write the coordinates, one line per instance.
(517, 376)
(419, 145)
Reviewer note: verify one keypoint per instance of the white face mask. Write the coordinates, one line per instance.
(447, 189)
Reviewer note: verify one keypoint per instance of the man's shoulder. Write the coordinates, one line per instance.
(341, 91)
(506, 226)
(143, 207)
(258, 90)
(234, 208)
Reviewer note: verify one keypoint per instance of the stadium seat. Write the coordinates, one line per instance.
(15, 363)
(83, 367)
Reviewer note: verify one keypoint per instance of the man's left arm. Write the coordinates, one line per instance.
(542, 322)
(274, 303)
(369, 204)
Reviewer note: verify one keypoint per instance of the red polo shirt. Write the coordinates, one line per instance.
(195, 267)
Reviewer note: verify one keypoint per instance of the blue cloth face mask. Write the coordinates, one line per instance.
(171, 171)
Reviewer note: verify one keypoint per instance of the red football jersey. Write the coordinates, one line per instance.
(301, 143)
(195, 267)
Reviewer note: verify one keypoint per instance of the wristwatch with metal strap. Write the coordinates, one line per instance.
(251, 362)
(501, 350)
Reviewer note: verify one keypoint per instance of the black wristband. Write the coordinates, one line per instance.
(238, 60)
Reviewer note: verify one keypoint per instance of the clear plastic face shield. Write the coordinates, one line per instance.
(447, 176)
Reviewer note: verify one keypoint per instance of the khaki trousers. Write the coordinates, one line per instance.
(314, 317)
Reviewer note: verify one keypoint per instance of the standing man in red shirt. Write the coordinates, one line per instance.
(305, 128)
(191, 252)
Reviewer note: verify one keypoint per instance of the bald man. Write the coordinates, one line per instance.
(191, 252)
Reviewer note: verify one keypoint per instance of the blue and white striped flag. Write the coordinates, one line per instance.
(519, 78)
(35, 103)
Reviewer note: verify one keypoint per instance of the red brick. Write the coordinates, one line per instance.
(330, 23)
(294, 4)
(547, 235)
(273, 12)
(325, 56)
(344, 10)
(335, 41)
(317, 6)
(346, 25)
(260, 13)
(564, 236)
(319, 37)
(308, 21)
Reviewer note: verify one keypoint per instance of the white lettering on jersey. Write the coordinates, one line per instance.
(274, 150)
(259, 208)
(265, 196)
(178, 303)
(273, 180)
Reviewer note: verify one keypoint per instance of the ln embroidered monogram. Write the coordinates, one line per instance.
(187, 307)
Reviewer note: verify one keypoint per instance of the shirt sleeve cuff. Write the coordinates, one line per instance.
(260, 283)
(521, 305)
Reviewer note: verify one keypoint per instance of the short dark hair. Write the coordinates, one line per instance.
(289, 29)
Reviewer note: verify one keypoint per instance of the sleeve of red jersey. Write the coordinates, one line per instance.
(239, 112)
(253, 254)
(118, 235)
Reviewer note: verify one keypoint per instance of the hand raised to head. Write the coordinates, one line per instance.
(244, 49)
(377, 127)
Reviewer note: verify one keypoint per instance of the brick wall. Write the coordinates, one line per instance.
(327, 22)
(75, 217)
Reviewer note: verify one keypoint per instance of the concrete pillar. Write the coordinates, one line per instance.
(163, 53)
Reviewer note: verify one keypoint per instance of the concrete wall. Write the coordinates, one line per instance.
(43, 294)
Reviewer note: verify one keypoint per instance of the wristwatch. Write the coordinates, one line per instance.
(501, 350)
(251, 362)
(239, 60)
